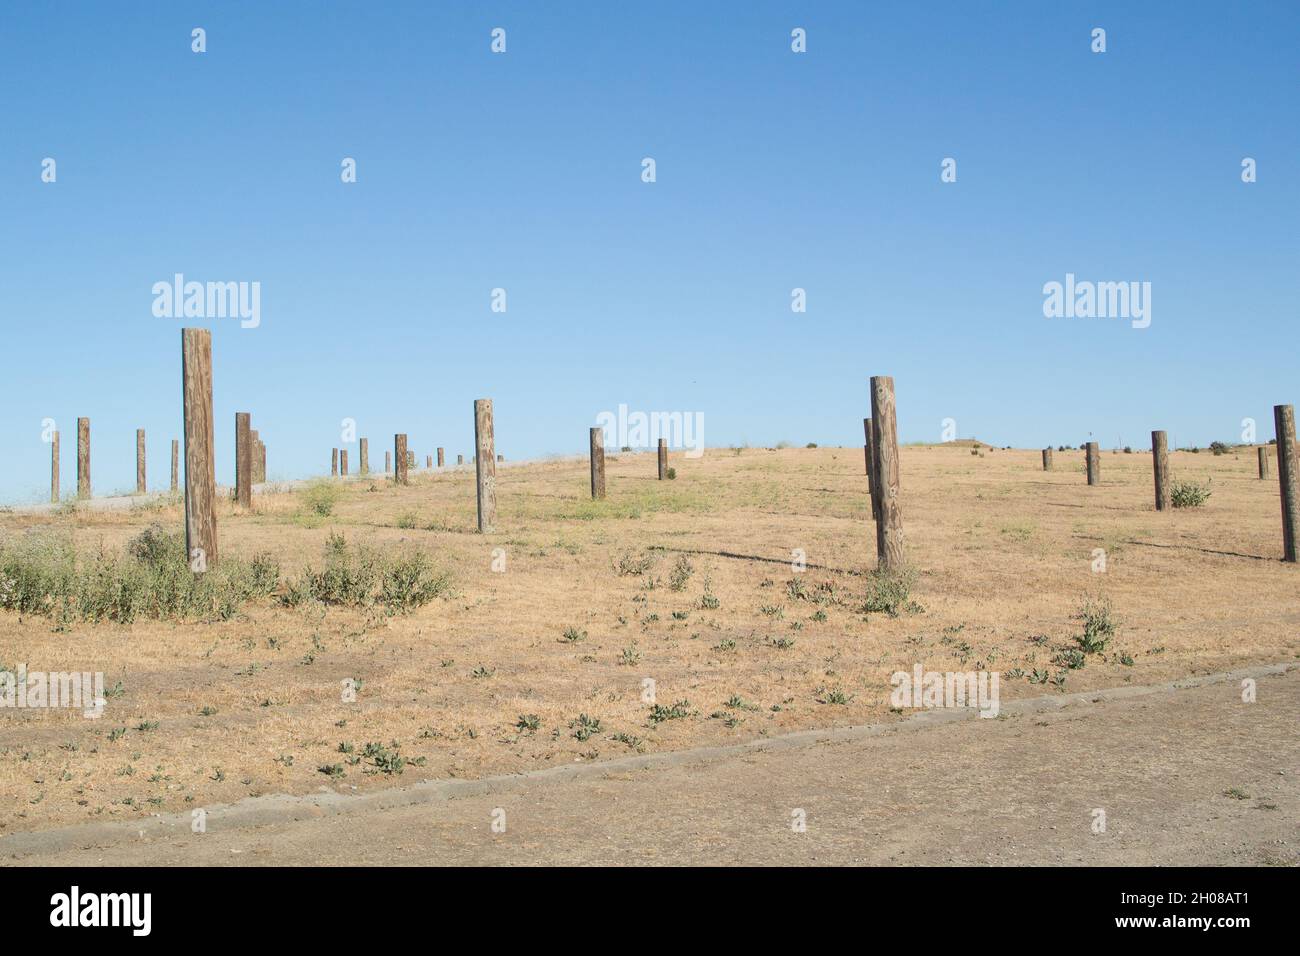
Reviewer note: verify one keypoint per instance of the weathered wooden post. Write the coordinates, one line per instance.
(663, 458)
(501, 458)
(54, 468)
(83, 457)
(884, 471)
(1093, 458)
(261, 460)
(200, 463)
(255, 443)
(388, 462)
(1047, 459)
(428, 461)
(1289, 481)
(460, 459)
(400, 459)
(410, 458)
(1263, 461)
(243, 460)
(872, 488)
(176, 464)
(343, 462)
(334, 462)
(485, 467)
(1160, 465)
(597, 462)
(365, 456)
(440, 457)
(141, 485)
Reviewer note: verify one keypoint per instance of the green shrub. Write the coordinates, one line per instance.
(889, 591)
(357, 576)
(320, 496)
(1189, 494)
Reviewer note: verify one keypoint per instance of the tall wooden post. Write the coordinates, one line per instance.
(343, 462)
(1047, 459)
(243, 460)
(597, 462)
(83, 457)
(1289, 481)
(440, 457)
(334, 462)
(365, 456)
(388, 462)
(1093, 457)
(485, 466)
(1160, 466)
(176, 464)
(884, 469)
(400, 459)
(141, 485)
(54, 468)
(663, 458)
(200, 463)
(1263, 461)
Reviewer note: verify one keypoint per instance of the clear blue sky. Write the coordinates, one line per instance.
(523, 171)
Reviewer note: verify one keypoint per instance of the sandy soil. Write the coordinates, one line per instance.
(1005, 554)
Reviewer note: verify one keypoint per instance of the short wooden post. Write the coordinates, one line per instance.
(884, 469)
(334, 462)
(428, 461)
(261, 461)
(243, 460)
(255, 443)
(388, 462)
(485, 466)
(1289, 481)
(365, 456)
(343, 462)
(54, 468)
(1093, 458)
(460, 459)
(1263, 461)
(401, 459)
(501, 458)
(200, 463)
(663, 458)
(83, 457)
(141, 485)
(597, 462)
(176, 464)
(1047, 459)
(1160, 466)
(440, 457)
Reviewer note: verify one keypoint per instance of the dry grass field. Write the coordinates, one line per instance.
(688, 583)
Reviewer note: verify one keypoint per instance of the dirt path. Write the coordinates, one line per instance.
(1187, 774)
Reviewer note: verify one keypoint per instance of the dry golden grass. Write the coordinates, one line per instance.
(1004, 553)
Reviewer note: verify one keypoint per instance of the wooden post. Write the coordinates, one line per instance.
(501, 458)
(1160, 465)
(243, 460)
(334, 462)
(343, 462)
(388, 462)
(485, 466)
(460, 459)
(597, 462)
(884, 469)
(54, 469)
(663, 458)
(365, 456)
(176, 464)
(200, 463)
(871, 481)
(83, 457)
(1047, 459)
(255, 442)
(1093, 458)
(401, 459)
(141, 485)
(1263, 461)
(1288, 480)
(440, 457)
(428, 461)
(261, 461)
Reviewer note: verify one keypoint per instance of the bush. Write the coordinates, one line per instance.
(888, 591)
(360, 577)
(1098, 625)
(672, 474)
(1218, 447)
(320, 496)
(1189, 494)
(151, 578)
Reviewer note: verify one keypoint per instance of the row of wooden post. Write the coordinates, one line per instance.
(1288, 466)
(141, 481)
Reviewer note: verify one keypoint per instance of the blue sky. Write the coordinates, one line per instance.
(775, 170)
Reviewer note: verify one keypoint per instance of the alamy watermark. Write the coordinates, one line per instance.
(624, 429)
(1098, 300)
(179, 299)
(81, 690)
(927, 689)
